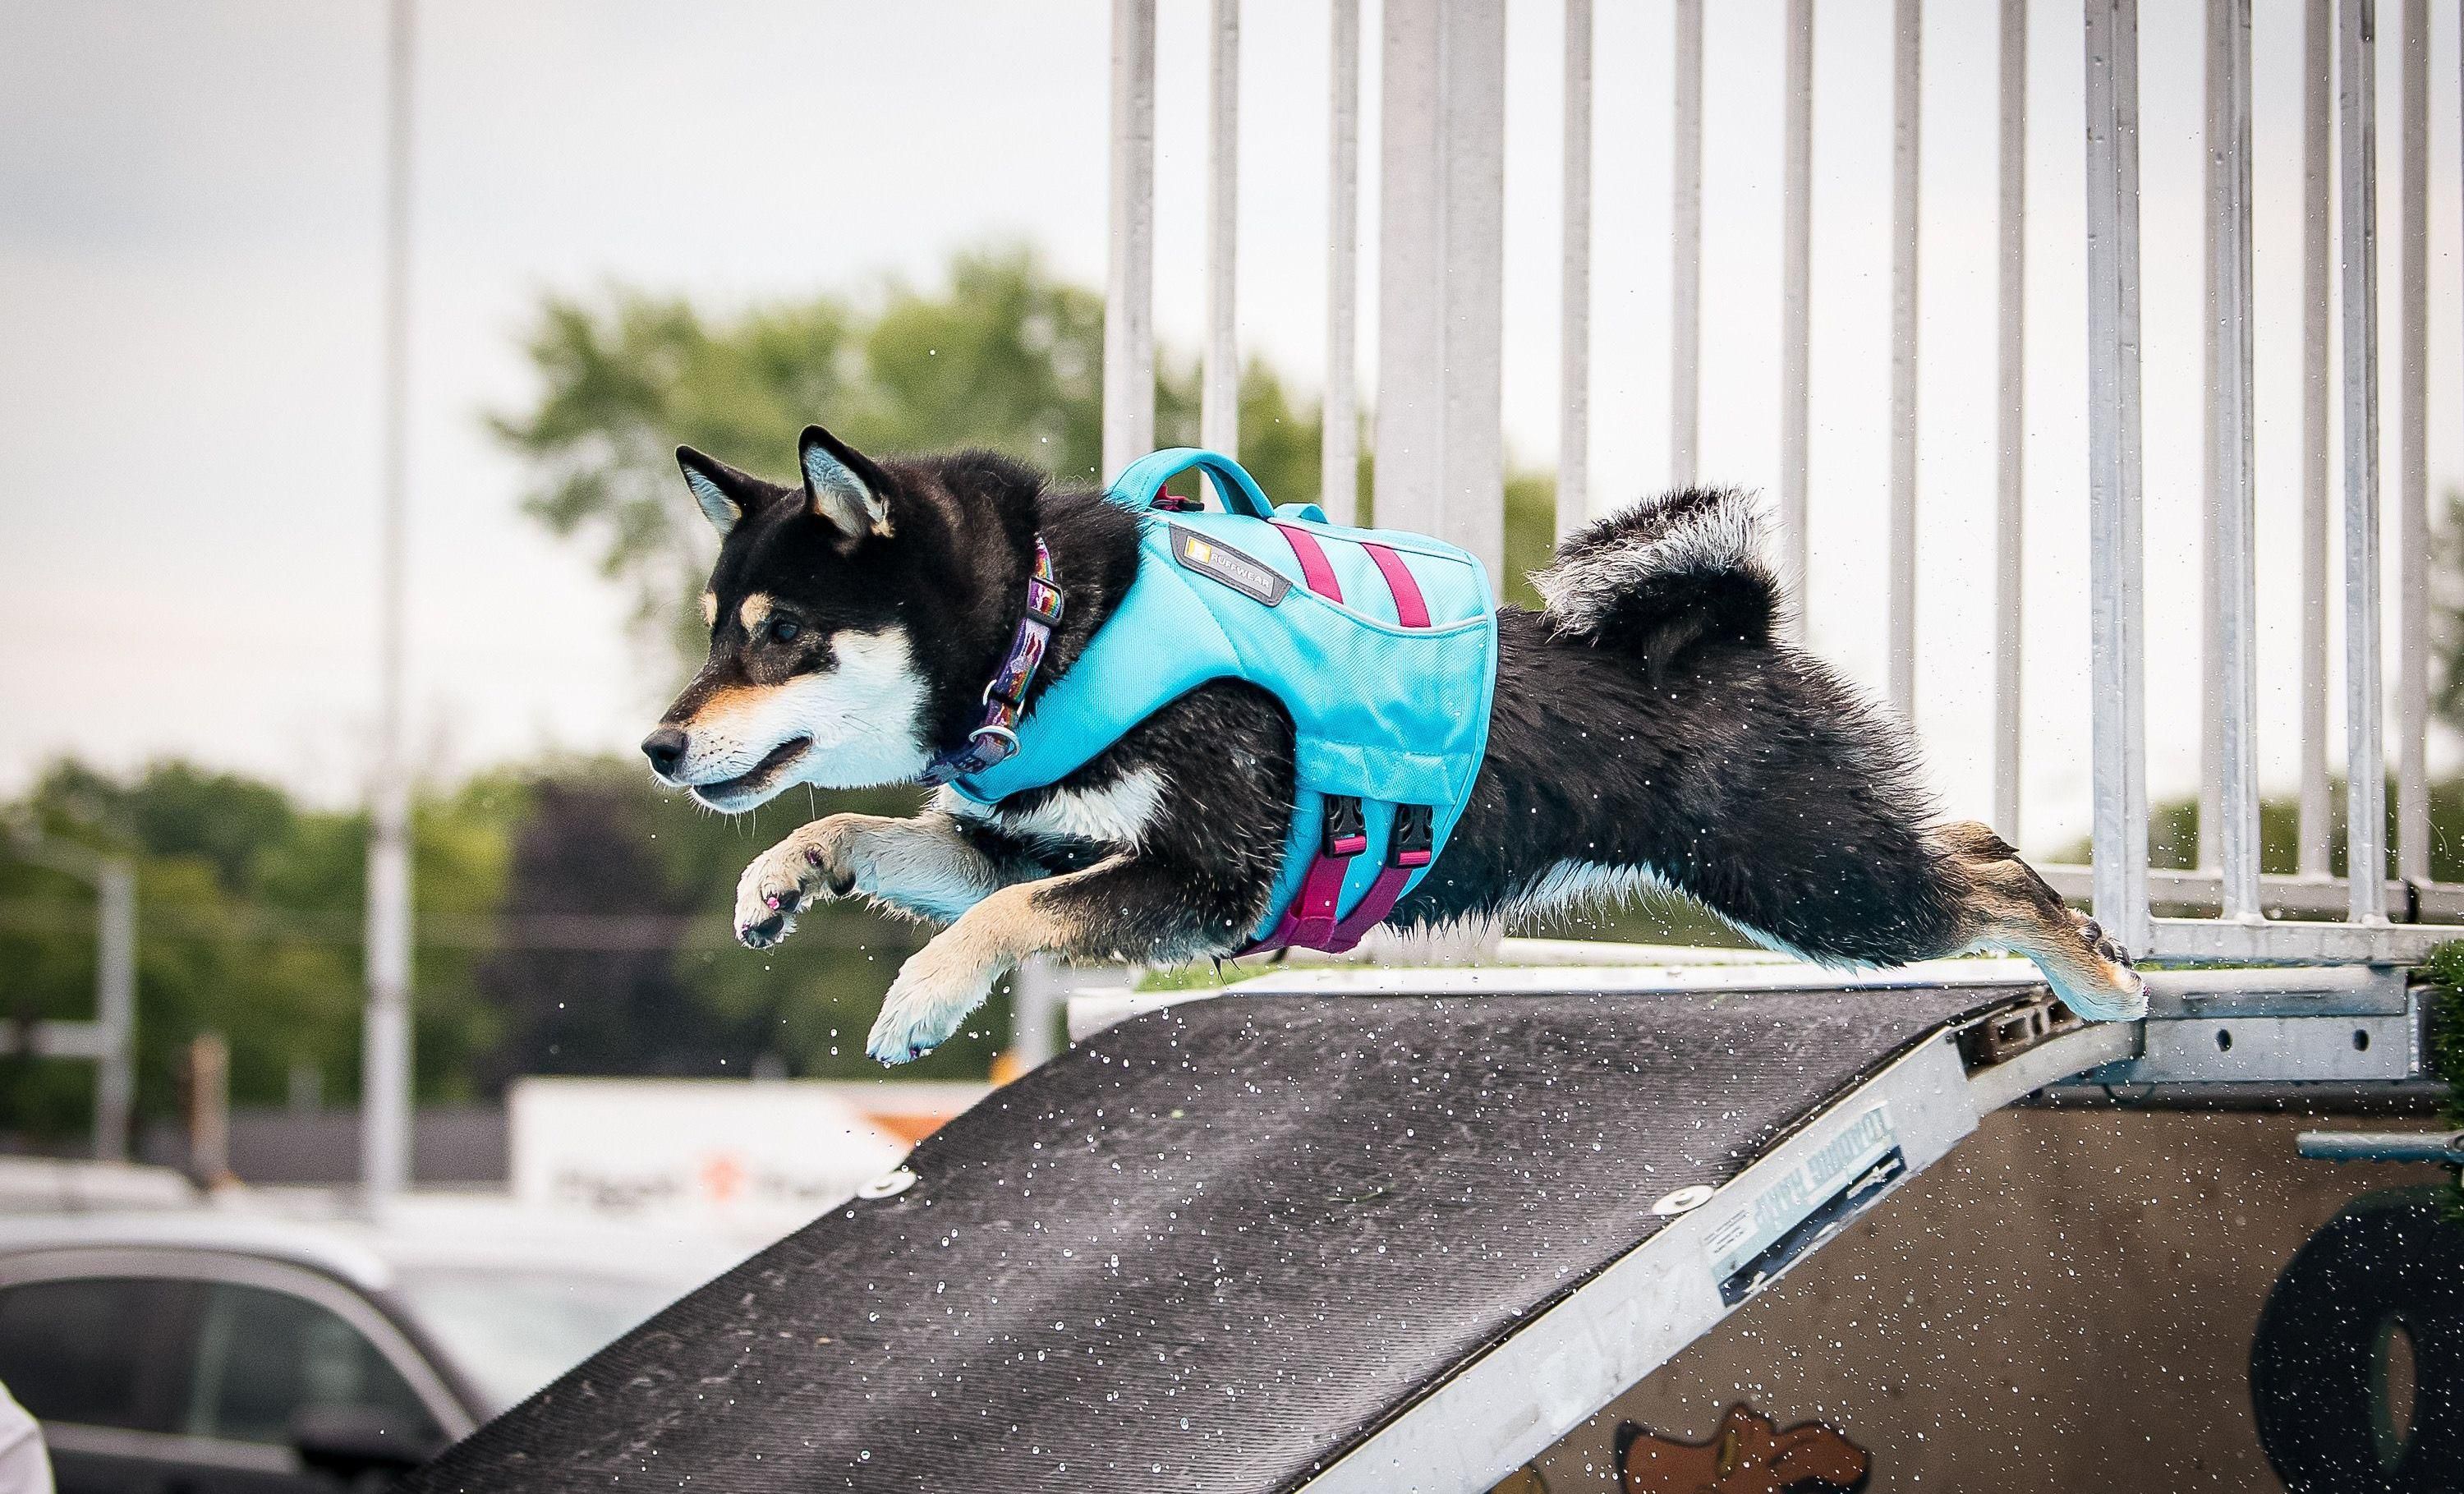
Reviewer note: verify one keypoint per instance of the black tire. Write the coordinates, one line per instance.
(2316, 1367)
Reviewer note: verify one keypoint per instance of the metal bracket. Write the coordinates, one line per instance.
(2446, 1147)
(1999, 1037)
(2357, 1024)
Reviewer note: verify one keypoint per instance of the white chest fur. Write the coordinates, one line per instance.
(1116, 814)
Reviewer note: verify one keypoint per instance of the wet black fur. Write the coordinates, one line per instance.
(1674, 731)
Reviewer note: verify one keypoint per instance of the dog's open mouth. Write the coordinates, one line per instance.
(753, 783)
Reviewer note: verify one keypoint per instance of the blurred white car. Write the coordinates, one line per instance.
(233, 1350)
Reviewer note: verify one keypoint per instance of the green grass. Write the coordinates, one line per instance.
(2445, 968)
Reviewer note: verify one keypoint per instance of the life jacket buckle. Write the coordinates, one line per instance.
(1343, 830)
(1409, 842)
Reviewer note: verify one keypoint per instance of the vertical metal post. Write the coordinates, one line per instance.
(1129, 280)
(1685, 248)
(2119, 750)
(1440, 316)
(1218, 401)
(1796, 303)
(2318, 70)
(115, 992)
(1907, 57)
(2233, 518)
(1034, 1010)
(2365, 755)
(384, 1058)
(2413, 480)
(1339, 436)
(2216, 479)
(2011, 387)
(1574, 299)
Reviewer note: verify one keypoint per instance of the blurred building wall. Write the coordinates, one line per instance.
(451, 1145)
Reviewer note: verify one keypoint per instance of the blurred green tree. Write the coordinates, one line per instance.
(248, 925)
(2447, 610)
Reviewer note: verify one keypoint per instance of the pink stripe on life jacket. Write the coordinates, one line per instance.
(1410, 608)
(1314, 566)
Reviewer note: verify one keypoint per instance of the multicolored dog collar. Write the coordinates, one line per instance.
(996, 737)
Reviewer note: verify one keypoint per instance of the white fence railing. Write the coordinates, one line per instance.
(1440, 320)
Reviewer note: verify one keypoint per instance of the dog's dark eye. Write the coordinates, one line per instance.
(784, 631)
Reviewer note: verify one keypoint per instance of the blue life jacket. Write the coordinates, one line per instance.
(1381, 644)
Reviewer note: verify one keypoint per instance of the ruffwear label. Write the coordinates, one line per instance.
(1219, 562)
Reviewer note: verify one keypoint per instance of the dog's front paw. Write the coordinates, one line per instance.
(934, 990)
(799, 871)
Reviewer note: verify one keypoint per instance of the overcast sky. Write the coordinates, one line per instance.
(189, 255)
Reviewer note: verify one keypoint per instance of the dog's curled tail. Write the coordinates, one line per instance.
(1669, 571)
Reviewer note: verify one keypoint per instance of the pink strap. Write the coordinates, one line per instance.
(1314, 568)
(1309, 921)
(1375, 905)
(1410, 610)
(1311, 914)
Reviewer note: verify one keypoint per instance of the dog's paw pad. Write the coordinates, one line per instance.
(836, 881)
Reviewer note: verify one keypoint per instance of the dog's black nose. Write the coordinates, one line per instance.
(664, 748)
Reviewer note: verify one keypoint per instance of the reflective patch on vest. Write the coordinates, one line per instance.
(1251, 578)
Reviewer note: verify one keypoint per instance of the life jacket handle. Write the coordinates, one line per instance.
(1142, 480)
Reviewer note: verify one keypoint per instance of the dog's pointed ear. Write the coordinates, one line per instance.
(844, 487)
(724, 495)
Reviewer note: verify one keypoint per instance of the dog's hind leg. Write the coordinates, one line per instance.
(2008, 906)
(927, 868)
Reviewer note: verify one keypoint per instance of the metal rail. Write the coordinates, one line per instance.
(1129, 280)
(2011, 378)
(1907, 31)
(2317, 896)
(1797, 303)
(386, 1031)
(1575, 298)
(1441, 274)
(2357, 185)
(1218, 399)
(2232, 499)
(1339, 451)
(2412, 477)
(2116, 633)
(2318, 67)
(2444, 1148)
(1685, 244)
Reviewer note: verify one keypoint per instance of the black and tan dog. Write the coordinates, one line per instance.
(1652, 730)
